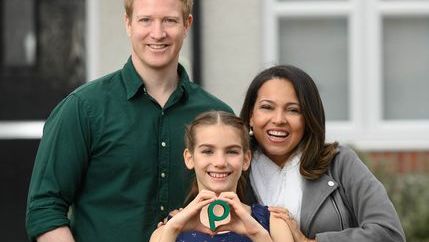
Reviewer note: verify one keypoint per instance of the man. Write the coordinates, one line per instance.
(112, 150)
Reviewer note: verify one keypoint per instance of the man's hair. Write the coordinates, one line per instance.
(187, 8)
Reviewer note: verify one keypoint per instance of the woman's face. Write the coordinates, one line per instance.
(277, 122)
(218, 157)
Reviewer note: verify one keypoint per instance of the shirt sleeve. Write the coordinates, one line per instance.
(59, 167)
(367, 198)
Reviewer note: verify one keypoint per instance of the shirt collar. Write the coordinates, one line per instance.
(133, 83)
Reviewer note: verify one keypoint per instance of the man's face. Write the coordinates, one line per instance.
(157, 30)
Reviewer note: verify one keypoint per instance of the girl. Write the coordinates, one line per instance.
(217, 148)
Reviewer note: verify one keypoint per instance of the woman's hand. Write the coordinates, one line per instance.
(284, 214)
(242, 221)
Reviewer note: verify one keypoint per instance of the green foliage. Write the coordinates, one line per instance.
(410, 195)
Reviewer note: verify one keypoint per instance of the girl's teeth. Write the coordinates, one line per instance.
(218, 175)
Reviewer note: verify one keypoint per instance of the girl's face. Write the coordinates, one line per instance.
(218, 157)
(277, 122)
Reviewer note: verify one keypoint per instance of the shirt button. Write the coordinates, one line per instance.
(162, 208)
(163, 175)
(163, 144)
(331, 183)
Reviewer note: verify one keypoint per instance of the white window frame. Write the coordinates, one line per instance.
(33, 129)
(365, 128)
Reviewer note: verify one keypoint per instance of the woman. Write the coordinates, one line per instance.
(322, 190)
(218, 150)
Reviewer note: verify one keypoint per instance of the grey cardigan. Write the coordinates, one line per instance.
(347, 204)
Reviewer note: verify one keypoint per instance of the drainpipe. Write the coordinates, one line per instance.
(197, 60)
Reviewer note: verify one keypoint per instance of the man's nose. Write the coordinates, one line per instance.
(158, 31)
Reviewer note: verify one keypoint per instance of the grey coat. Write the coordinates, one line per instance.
(348, 204)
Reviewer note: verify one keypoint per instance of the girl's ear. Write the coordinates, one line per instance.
(246, 160)
(187, 156)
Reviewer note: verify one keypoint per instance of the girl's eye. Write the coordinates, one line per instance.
(207, 151)
(234, 152)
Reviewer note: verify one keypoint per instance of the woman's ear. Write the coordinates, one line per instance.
(187, 156)
(247, 159)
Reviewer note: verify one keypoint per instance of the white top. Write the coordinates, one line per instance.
(276, 186)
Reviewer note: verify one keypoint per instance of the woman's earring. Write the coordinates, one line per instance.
(251, 131)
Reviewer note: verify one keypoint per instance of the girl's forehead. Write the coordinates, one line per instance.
(217, 132)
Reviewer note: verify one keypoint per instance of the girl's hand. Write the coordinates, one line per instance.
(284, 214)
(170, 215)
(188, 218)
(242, 221)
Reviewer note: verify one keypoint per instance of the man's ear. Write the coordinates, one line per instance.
(187, 156)
(247, 159)
(188, 23)
(127, 22)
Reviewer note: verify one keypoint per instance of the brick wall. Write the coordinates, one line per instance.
(398, 161)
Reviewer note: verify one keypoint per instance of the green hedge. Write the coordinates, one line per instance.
(410, 194)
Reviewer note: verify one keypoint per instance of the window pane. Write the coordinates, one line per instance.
(320, 48)
(31, 83)
(19, 40)
(406, 63)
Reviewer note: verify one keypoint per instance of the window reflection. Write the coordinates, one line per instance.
(19, 33)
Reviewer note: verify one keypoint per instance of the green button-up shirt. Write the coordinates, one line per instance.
(114, 155)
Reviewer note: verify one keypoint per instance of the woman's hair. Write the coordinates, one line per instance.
(214, 118)
(187, 8)
(316, 154)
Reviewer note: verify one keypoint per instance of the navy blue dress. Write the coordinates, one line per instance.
(259, 212)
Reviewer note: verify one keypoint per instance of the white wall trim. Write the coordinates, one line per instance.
(404, 8)
(311, 9)
(92, 40)
(21, 129)
(270, 33)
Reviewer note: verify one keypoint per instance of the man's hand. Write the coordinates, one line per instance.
(61, 234)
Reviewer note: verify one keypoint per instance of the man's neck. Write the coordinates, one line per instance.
(159, 83)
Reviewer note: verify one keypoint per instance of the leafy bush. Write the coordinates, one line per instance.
(409, 193)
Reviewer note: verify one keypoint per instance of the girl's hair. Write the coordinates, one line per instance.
(187, 8)
(316, 154)
(214, 118)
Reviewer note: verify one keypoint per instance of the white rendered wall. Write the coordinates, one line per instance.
(232, 47)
